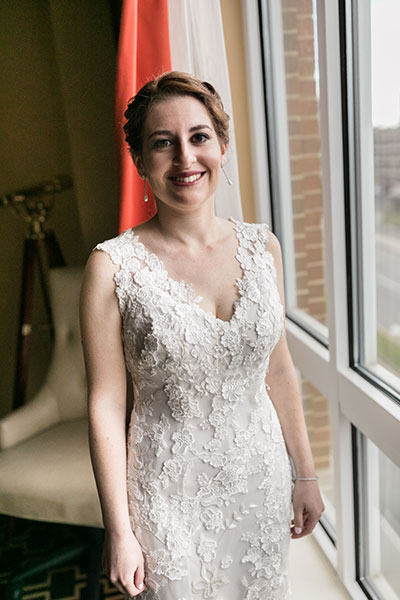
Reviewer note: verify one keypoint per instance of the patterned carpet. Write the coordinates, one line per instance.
(62, 549)
(66, 583)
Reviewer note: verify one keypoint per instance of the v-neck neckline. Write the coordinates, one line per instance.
(192, 297)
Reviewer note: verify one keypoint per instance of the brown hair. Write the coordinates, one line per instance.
(167, 85)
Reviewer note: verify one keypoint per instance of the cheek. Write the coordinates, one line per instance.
(212, 160)
(217, 162)
(154, 166)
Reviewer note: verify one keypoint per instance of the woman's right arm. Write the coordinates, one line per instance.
(106, 380)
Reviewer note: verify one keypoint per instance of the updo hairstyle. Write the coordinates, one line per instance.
(170, 84)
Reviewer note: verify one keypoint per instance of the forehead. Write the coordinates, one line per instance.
(178, 112)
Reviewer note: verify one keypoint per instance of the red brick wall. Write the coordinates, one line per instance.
(305, 156)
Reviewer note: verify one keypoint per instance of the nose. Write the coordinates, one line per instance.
(184, 155)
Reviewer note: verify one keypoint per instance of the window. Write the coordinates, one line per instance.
(385, 91)
(322, 56)
(379, 521)
(374, 109)
(295, 155)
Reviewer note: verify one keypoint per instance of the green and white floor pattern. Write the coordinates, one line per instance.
(62, 549)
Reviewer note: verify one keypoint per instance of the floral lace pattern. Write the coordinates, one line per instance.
(209, 477)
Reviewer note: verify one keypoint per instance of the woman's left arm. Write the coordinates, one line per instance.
(286, 398)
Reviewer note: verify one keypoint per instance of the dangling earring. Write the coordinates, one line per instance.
(146, 198)
(230, 182)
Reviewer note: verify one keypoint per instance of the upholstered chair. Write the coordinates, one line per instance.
(45, 470)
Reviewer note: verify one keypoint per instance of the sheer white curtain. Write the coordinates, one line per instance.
(198, 47)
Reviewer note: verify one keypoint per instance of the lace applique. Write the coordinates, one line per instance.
(211, 581)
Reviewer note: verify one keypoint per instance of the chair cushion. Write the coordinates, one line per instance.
(66, 376)
(49, 477)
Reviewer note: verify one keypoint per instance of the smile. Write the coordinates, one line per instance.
(189, 179)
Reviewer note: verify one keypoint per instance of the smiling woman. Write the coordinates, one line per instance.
(181, 153)
(172, 123)
(197, 500)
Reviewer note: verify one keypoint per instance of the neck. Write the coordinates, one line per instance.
(200, 227)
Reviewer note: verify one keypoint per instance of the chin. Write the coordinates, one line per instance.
(185, 200)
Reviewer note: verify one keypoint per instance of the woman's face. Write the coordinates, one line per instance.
(181, 152)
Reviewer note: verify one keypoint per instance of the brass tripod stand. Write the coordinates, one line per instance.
(33, 205)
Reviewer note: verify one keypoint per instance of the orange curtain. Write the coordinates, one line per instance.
(143, 53)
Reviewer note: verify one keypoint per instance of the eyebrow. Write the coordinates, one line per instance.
(167, 132)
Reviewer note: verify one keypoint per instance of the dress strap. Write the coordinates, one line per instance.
(252, 253)
(252, 240)
(123, 251)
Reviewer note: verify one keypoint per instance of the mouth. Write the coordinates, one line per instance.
(187, 178)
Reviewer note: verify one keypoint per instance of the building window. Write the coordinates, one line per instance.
(295, 153)
(333, 169)
(373, 46)
(379, 520)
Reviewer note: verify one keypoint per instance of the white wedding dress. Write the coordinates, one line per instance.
(209, 477)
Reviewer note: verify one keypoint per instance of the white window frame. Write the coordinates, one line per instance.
(358, 28)
(358, 17)
(352, 399)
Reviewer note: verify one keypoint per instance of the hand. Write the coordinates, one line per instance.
(123, 563)
(307, 507)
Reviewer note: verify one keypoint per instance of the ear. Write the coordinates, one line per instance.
(137, 159)
(224, 148)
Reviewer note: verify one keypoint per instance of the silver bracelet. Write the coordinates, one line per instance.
(306, 478)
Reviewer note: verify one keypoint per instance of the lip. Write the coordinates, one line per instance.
(185, 174)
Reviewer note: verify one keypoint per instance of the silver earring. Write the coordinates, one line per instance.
(230, 182)
(145, 198)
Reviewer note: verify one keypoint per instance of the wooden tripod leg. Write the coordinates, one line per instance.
(32, 256)
(25, 320)
(55, 257)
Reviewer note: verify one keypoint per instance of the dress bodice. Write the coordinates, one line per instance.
(168, 336)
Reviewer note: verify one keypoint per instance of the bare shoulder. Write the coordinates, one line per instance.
(98, 277)
(100, 266)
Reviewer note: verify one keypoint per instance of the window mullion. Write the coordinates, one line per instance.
(279, 155)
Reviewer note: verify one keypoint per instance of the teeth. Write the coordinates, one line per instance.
(187, 179)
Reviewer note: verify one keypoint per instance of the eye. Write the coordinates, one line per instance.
(161, 143)
(200, 138)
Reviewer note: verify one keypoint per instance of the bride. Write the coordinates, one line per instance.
(197, 499)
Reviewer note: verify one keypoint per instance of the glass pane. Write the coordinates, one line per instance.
(385, 82)
(302, 106)
(380, 508)
(316, 412)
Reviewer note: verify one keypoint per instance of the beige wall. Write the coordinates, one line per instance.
(232, 21)
(51, 98)
(86, 58)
